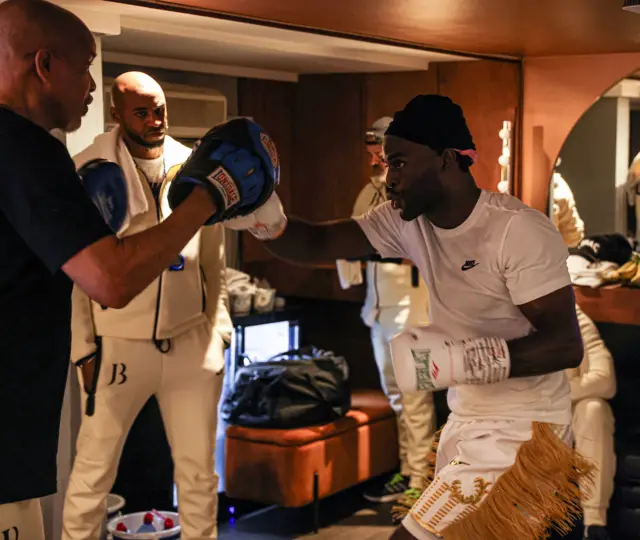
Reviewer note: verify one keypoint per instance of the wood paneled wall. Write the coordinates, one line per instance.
(318, 125)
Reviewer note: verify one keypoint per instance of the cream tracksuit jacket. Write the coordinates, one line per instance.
(176, 301)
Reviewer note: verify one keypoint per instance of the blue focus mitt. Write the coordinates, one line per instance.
(105, 184)
(238, 164)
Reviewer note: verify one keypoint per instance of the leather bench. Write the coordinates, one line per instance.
(297, 467)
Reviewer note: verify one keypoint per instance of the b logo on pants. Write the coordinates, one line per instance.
(11, 534)
(118, 376)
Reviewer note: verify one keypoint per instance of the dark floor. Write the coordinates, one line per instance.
(344, 516)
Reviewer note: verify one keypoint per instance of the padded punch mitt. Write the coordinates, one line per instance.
(105, 184)
(237, 162)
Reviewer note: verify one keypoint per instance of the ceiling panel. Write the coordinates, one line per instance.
(302, 61)
(514, 28)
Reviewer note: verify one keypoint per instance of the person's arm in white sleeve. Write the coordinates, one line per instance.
(534, 260)
(321, 244)
(598, 380)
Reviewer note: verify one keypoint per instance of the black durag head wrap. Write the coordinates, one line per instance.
(434, 121)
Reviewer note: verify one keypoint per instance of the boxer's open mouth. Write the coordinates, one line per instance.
(396, 200)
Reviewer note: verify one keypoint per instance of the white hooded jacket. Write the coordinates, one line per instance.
(176, 301)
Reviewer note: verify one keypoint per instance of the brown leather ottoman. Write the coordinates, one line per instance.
(297, 467)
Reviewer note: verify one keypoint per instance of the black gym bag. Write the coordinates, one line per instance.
(298, 388)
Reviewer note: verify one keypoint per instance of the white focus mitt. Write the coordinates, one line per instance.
(266, 223)
(426, 358)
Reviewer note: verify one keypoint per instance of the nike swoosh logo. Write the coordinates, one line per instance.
(469, 265)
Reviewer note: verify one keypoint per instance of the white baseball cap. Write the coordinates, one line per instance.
(376, 132)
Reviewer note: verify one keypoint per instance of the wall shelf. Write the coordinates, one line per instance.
(616, 305)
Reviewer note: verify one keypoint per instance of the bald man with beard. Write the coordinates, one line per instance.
(169, 342)
(52, 236)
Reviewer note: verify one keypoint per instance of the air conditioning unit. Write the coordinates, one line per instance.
(192, 110)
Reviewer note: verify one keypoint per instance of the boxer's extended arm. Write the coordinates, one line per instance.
(113, 271)
(555, 345)
(320, 244)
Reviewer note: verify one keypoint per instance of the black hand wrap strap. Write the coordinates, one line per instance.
(91, 392)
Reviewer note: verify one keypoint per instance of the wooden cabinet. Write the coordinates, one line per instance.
(610, 305)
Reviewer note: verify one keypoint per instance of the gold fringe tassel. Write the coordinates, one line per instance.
(539, 492)
(402, 507)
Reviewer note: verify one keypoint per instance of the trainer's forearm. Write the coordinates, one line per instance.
(143, 256)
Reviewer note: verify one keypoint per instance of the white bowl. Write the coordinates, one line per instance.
(135, 520)
(115, 503)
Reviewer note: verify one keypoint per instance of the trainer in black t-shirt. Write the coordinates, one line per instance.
(45, 219)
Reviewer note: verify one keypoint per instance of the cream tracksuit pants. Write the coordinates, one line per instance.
(593, 426)
(131, 372)
(21, 521)
(415, 411)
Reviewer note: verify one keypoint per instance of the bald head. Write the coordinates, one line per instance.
(133, 84)
(139, 107)
(45, 54)
(29, 25)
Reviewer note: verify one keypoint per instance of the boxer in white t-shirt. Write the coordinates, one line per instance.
(503, 330)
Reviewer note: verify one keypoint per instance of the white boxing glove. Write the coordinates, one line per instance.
(426, 358)
(266, 223)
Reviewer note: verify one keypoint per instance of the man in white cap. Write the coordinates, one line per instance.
(393, 300)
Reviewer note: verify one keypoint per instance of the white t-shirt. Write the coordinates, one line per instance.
(153, 169)
(505, 254)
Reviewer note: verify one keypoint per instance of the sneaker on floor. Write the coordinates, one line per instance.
(404, 504)
(391, 491)
(596, 532)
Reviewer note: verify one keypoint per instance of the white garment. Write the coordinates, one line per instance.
(177, 300)
(565, 212)
(153, 169)
(504, 255)
(471, 457)
(587, 273)
(131, 372)
(415, 411)
(21, 521)
(111, 146)
(391, 302)
(592, 384)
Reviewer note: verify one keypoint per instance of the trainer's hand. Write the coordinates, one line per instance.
(201, 201)
(426, 358)
(267, 223)
(237, 163)
(105, 183)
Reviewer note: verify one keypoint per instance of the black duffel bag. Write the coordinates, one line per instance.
(299, 388)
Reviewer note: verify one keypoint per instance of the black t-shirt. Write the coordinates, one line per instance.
(45, 219)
